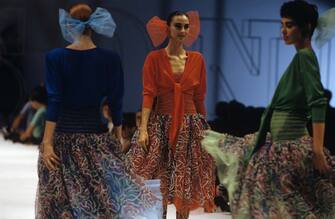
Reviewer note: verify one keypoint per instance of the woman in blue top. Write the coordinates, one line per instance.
(81, 172)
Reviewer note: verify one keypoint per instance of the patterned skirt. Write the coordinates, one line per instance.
(188, 174)
(278, 182)
(92, 182)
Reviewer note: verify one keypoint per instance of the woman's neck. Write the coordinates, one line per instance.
(175, 49)
(82, 43)
(304, 44)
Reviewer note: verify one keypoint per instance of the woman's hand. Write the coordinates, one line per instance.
(50, 159)
(143, 139)
(320, 162)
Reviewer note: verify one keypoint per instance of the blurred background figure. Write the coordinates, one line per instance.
(107, 116)
(128, 129)
(33, 131)
(23, 118)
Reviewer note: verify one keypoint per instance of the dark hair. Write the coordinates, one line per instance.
(82, 12)
(303, 14)
(173, 14)
(39, 94)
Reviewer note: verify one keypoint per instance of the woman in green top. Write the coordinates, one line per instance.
(282, 172)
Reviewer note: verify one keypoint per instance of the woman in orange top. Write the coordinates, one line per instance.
(167, 145)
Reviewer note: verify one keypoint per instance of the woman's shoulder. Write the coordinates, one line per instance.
(305, 54)
(196, 56)
(59, 51)
(155, 53)
(306, 61)
(108, 52)
(195, 53)
(159, 53)
(55, 52)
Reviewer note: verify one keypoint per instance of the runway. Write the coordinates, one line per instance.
(18, 181)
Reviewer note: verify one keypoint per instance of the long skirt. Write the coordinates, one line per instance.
(187, 173)
(278, 181)
(92, 181)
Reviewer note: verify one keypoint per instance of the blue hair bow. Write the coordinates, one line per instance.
(100, 21)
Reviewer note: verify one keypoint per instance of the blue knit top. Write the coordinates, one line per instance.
(77, 81)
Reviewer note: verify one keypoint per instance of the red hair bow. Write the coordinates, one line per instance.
(158, 29)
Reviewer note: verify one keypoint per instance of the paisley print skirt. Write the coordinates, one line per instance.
(92, 182)
(279, 181)
(188, 174)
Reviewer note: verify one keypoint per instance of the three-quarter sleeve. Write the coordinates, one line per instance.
(314, 92)
(149, 83)
(53, 84)
(116, 92)
(200, 92)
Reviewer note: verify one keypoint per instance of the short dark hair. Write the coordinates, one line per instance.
(39, 94)
(303, 14)
(173, 14)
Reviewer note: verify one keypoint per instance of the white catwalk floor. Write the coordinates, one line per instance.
(18, 180)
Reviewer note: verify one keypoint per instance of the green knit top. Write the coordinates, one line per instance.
(299, 97)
